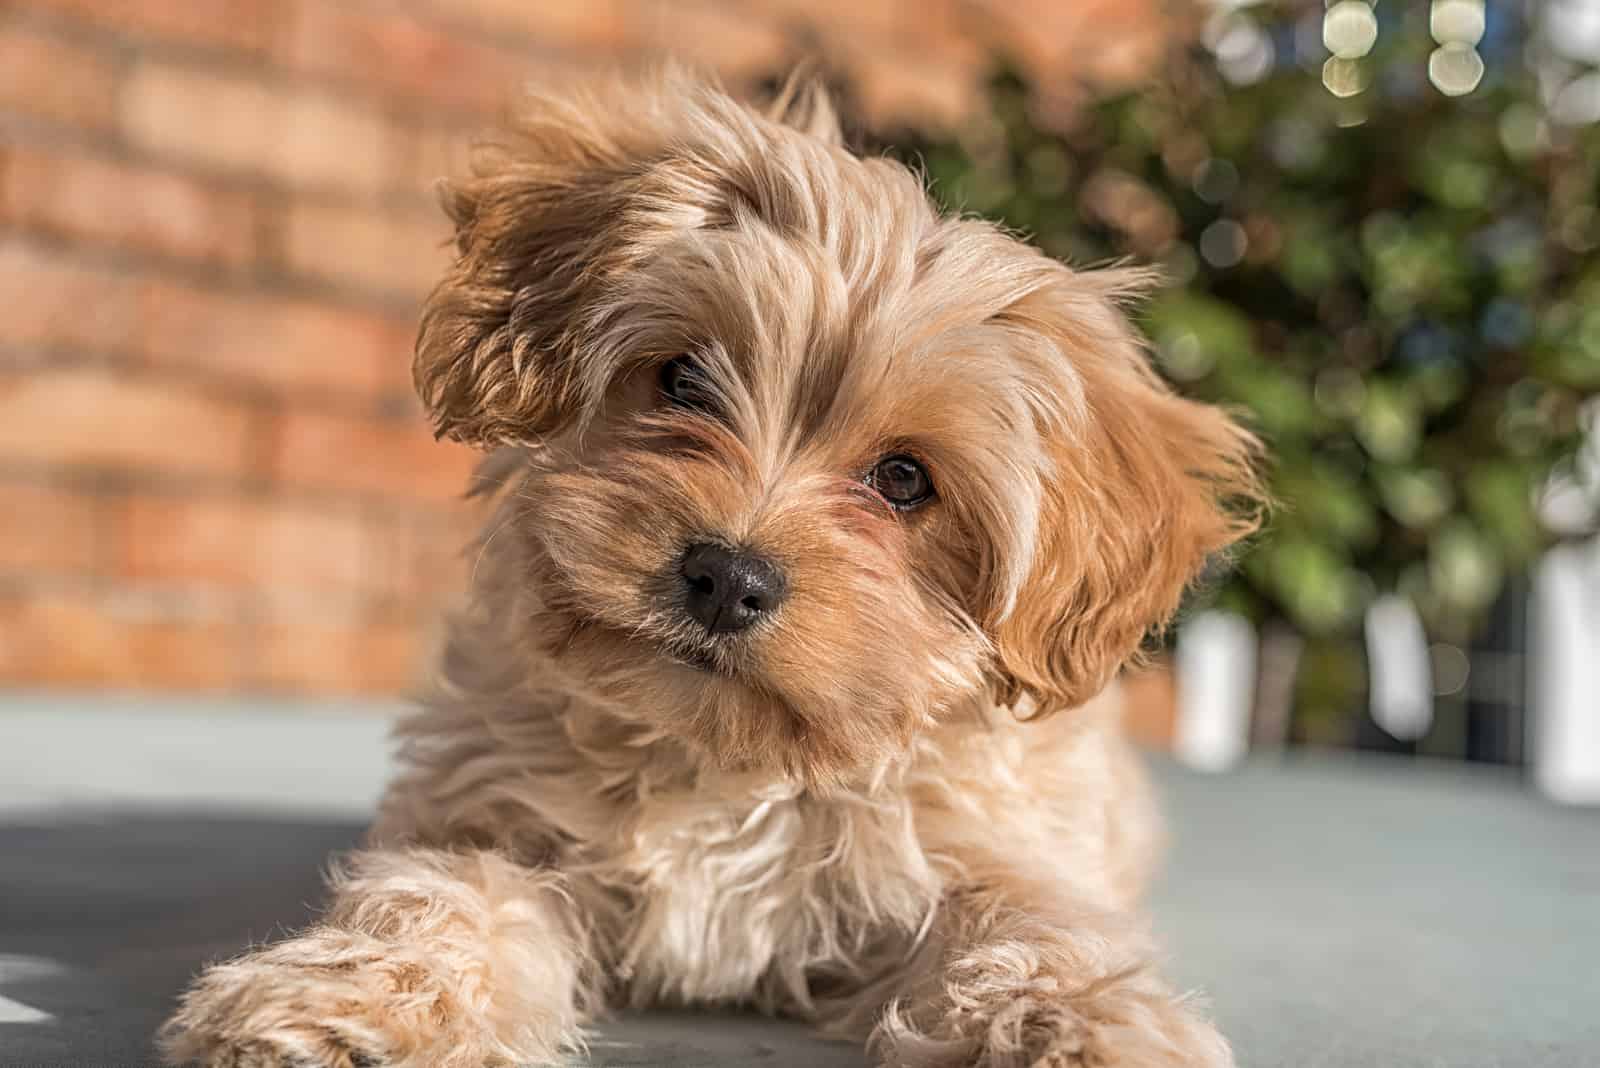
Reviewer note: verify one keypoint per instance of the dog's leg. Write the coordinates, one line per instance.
(1023, 977)
(426, 959)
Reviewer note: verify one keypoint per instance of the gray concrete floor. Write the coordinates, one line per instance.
(1337, 912)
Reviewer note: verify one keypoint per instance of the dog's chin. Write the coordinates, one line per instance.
(697, 656)
(605, 651)
(716, 696)
(693, 657)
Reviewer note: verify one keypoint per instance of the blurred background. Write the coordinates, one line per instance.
(1377, 220)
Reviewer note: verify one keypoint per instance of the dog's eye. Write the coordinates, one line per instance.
(901, 481)
(684, 384)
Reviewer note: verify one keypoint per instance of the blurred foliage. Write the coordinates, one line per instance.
(1398, 290)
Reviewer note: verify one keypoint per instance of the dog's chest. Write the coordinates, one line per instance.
(741, 898)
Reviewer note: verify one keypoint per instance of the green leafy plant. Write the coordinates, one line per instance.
(1399, 290)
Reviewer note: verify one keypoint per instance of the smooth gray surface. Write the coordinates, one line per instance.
(1339, 913)
(1345, 912)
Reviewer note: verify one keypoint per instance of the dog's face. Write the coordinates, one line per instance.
(809, 465)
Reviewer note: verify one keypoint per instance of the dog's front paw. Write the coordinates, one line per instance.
(328, 999)
(1138, 1031)
(285, 1051)
(1117, 1029)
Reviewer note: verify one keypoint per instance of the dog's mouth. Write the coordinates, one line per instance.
(709, 657)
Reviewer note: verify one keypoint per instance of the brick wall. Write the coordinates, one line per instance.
(215, 227)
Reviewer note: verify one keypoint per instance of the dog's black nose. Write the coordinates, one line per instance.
(729, 589)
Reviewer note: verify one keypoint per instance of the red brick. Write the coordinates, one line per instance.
(437, 152)
(938, 34)
(950, 38)
(125, 205)
(1093, 39)
(378, 658)
(52, 300)
(286, 343)
(898, 89)
(400, 54)
(98, 417)
(56, 80)
(291, 344)
(385, 252)
(299, 136)
(46, 530)
(381, 457)
(431, 555)
(559, 25)
(881, 18)
(81, 641)
(240, 24)
(245, 544)
(727, 40)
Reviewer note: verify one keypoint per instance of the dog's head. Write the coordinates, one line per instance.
(809, 463)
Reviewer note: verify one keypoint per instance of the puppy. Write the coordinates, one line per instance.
(821, 518)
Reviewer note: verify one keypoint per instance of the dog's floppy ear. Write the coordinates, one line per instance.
(538, 227)
(585, 182)
(1144, 488)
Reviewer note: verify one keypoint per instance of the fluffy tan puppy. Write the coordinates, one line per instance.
(821, 519)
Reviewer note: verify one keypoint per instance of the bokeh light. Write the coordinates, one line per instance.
(1223, 243)
(1571, 28)
(1216, 180)
(1522, 131)
(1578, 102)
(1185, 358)
(1343, 77)
(1244, 51)
(1349, 29)
(1451, 669)
(1457, 21)
(1455, 69)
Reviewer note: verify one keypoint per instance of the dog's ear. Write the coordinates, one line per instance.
(540, 224)
(1142, 490)
(585, 182)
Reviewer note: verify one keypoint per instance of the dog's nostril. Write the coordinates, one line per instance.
(729, 589)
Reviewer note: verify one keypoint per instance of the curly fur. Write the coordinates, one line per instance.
(866, 812)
